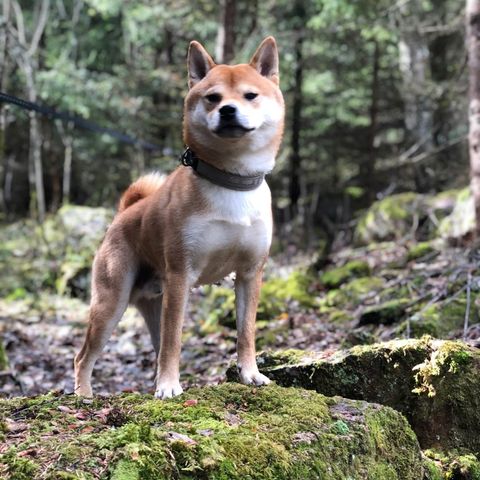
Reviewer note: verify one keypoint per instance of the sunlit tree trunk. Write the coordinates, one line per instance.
(473, 47)
(5, 67)
(367, 168)
(414, 61)
(27, 64)
(225, 47)
(295, 159)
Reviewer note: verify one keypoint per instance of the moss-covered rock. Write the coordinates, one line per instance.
(55, 256)
(404, 214)
(385, 313)
(461, 222)
(421, 249)
(224, 432)
(218, 306)
(451, 465)
(390, 218)
(439, 319)
(434, 383)
(3, 355)
(335, 277)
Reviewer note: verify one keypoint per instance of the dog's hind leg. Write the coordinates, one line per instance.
(151, 310)
(113, 278)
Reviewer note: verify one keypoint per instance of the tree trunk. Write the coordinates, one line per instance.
(35, 149)
(5, 68)
(225, 47)
(416, 72)
(67, 140)
(295, 159)
(473, 47)
(367, 168)
(28, 65)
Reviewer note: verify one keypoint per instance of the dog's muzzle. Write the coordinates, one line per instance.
(229, 125)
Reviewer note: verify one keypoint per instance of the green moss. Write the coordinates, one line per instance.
(337, 276)
(386, 313)
(230, 432)
(55, 256)
(451, 465)
(462, 219)
(18, 468)
(389, 218)
(433, 382)
(276, 293)
(447, 358)
(219, 304)
(420, 250)
(441, 318)
(3, 355)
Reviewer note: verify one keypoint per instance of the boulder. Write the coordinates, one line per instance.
(434, 383)
(459, 225)
(55, 256)
(225, 432)
(402, 215)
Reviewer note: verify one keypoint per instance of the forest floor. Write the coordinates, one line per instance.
(406, 291)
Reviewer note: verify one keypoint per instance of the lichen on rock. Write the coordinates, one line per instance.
(225, 432)
(434, 383)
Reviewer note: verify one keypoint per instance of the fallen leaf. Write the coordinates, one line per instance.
(180, 437)
(190, 403)
(65, 409)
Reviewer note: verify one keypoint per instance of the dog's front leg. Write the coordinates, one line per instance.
(247, 291)
(173, 310)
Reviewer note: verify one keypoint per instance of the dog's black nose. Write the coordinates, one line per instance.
(228, 111)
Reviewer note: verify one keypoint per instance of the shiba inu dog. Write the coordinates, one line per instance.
(209, 218)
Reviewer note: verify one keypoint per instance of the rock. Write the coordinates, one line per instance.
(337, 276)
(420, 250)
(279, 433)
(386, 313)
(218, 306)
(434, 383)
(54, 256)
(451, 466)
(404, 214)
(460, 223)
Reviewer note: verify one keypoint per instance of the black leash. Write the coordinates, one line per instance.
(80, 122)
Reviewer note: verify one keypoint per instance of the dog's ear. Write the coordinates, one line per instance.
(199, 63)
(265, 60)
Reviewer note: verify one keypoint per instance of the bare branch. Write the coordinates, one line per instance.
(42, 20)
(20, 23)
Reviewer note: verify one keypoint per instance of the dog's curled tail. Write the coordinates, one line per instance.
(141, 188)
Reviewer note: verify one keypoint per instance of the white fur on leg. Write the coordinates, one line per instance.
(168, 389)
(252, 377)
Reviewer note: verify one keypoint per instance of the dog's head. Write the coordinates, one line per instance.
(235, 108)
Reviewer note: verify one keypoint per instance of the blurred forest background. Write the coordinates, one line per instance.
(372, 207)
(376, 95)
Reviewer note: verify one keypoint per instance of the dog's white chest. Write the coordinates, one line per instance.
(233, 234)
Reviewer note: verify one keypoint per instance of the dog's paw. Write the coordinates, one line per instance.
(83, 391)
(168, 390)
(253, 377)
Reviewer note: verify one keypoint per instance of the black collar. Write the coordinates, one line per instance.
(232, 181)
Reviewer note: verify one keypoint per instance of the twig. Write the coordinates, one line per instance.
(467, 309)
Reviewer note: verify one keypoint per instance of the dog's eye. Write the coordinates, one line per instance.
(214, 97)
(251, 95)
